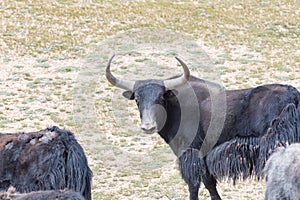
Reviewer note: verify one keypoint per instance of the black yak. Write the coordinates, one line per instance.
(41, 195)
(183, 109)
(283, 174)
(50, 159)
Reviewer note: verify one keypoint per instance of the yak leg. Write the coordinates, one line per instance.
(210, 184)
(194, 191)
(192, 168)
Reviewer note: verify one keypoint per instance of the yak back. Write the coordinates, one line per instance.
(263, 104)
(50, 159)
(250, 111)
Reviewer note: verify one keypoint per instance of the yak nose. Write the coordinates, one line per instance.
(148, 127)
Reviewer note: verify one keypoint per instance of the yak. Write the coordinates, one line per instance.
(214, 132)
(11, 194)
(50, 159)
(283, 174)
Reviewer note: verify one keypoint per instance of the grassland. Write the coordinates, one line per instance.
(52, 58)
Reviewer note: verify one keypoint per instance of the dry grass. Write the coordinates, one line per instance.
(53, 54)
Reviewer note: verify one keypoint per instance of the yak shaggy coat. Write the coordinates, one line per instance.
(49, 159)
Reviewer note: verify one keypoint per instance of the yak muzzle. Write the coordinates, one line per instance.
(153, 119)
(149, 128)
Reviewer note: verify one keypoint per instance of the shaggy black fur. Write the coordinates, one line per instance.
(285, 130)
(192, 166)
(235, 159)
(49, 159)
(244, 157)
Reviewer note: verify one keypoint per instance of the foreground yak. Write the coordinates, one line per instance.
(49, 159)
(41, 195)
(283, 174)
(239, 138)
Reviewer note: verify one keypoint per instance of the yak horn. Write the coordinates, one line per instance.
(176, 82)
(126, 85)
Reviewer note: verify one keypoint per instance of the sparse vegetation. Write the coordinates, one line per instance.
(52, 74)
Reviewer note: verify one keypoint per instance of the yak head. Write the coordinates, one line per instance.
(151, 96)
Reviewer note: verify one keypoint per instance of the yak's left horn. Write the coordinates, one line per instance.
(126, 85)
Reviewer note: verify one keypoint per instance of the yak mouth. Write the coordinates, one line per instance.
(150, 131)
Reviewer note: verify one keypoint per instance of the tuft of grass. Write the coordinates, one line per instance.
(42, 65)
(42, 60)
(6, 60)
(67, 69)
(19, 66)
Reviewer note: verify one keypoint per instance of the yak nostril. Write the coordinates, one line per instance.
(148, 129)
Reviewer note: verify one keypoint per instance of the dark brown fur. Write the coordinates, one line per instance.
(49, 159)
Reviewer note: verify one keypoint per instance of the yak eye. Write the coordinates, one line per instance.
(161, 99)
(137, 100)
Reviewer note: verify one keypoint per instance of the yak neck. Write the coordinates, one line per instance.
(182, 123)
(172, 123)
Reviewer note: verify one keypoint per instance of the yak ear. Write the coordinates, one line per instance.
(128, 95)
(170, 94)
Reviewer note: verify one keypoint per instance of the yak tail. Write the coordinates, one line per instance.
(284, 130)
(78, 173)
